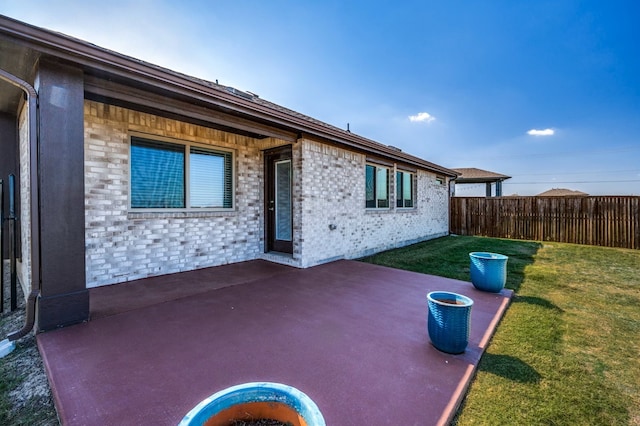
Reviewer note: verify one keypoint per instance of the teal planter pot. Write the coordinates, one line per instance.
(449, 321)
(488, 271)
(255, 401)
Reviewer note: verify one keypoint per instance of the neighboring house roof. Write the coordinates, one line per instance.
(110, 75)
(562, 192)
(473, 175)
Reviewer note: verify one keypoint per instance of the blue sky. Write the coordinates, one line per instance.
(547, 92)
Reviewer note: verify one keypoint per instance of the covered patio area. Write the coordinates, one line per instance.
(350, 335)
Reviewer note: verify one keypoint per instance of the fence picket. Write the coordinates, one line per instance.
(610, 221)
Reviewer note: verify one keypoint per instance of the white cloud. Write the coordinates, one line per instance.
(545, 132)
(422, 117)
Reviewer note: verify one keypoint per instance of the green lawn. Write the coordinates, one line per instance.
(567, 352)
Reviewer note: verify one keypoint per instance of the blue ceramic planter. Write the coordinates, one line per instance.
(488, 271)
(449, 320)
(255, 401)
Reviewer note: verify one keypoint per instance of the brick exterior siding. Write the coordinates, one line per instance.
(328, 189)
(332, 185)
(121, 245)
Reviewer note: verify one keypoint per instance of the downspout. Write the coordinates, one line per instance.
(34, 128)
(452, 193)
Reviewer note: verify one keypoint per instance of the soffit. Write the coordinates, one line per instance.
(17, 60)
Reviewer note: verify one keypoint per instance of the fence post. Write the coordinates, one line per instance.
(13, 238)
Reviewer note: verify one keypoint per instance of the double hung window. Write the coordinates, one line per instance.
(404, 189)
(166, 175)
(377, 187)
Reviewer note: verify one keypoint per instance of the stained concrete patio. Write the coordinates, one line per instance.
(350, 335)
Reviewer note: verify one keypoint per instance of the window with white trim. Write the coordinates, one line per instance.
(167, 175)
(404, 189)
(377, 186)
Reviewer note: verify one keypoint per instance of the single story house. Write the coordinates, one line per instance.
(129, 170)
(471, 175)
(562, 192)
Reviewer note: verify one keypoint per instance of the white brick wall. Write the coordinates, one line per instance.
(333, 193)
(328, 186)
(121, 245)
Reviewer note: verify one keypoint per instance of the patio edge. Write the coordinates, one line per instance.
(460, 393)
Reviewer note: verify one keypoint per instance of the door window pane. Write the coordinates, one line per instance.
(283, 201)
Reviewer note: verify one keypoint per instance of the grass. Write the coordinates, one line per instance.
(25, 398)
(20, 403)
(567, 351)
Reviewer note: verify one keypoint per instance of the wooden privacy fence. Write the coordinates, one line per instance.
(611, 221)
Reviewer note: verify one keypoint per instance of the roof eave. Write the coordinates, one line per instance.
(481, 180)
(139, 72)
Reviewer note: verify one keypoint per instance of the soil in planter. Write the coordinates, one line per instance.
(450, 302)
(260, 422)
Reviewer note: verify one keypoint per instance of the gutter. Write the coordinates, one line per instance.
(7, 345)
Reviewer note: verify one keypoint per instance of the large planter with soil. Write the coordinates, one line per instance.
(449, 321)
(251, 403)
(488, 271)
